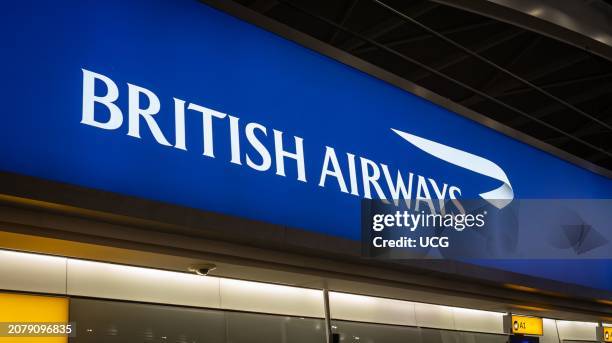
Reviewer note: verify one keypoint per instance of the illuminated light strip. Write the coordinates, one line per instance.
(122, 282)
(580, 323)
(363, 308)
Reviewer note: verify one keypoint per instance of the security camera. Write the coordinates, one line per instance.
(202, 269)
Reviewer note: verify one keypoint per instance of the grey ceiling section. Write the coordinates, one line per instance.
(589, 18)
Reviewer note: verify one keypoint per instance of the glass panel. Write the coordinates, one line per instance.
(105, 321)
(352, 332)
(100, 321)
(255, 327)
(108, 321)
(440, 336)
(468, 337)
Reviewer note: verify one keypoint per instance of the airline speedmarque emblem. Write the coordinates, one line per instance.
(499, 197)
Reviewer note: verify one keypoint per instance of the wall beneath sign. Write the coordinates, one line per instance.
(111, 281)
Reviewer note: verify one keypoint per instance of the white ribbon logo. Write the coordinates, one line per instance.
(499, 197)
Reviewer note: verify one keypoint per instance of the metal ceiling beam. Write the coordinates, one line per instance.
(482, 46)
(345, 15)
(536, 74)
(494, 65)
(387, 26)
(586, 130)
(486, 87)
(560, 83)
(373, 33)
(555, 107)
(561, 20)
(451, 31)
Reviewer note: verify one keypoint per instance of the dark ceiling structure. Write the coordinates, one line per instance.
(558, 93)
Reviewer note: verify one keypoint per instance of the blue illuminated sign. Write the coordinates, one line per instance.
(177, 102)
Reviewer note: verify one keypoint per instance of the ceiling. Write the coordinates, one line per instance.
(553, 91)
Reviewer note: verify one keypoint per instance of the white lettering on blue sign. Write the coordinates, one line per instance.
(376, 180)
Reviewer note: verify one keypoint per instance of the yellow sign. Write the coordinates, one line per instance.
(21, 308)
(524, 325)
(607, 334)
